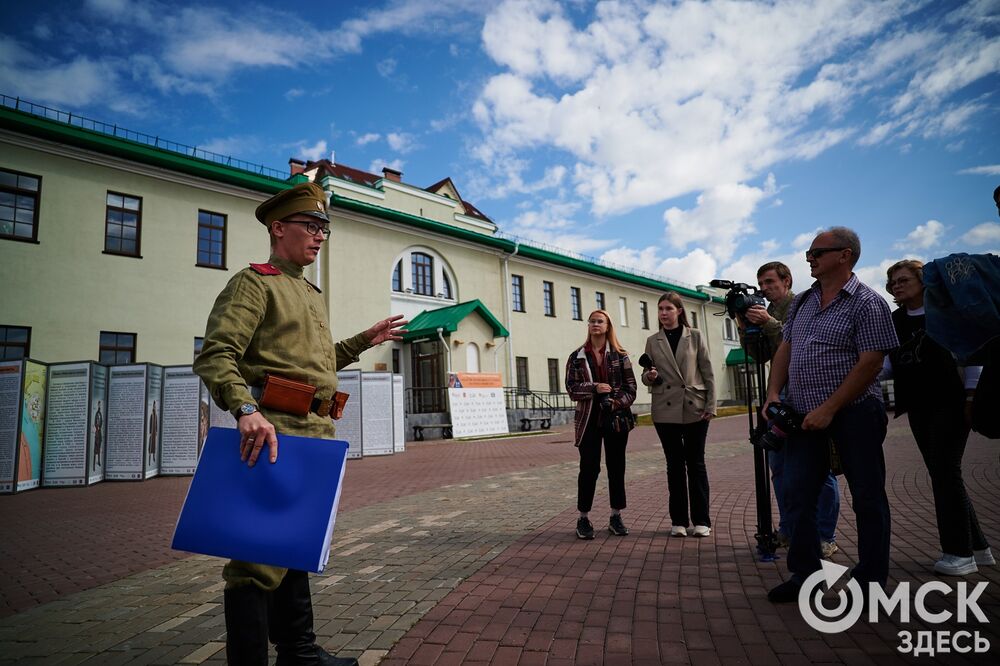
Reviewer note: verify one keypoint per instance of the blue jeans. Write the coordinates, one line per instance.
(827, 511)
(858, 431)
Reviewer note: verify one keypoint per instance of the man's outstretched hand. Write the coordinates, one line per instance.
(387, 329)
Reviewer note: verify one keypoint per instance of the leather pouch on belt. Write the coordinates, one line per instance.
(287, 395)
(339, 401)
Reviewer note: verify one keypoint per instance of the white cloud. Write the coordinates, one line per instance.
(378, 163)
(386, 67)
(721, 218)
(232, 145)
(401, 142)
(365, 139)
(923, 237)
(985, 170)
(294, 93)
(317, 151)
(981, 234)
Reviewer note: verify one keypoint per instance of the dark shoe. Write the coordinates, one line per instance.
(246, 625)
(291, 625)
(616, 526)
(584, 530)
(785, 593)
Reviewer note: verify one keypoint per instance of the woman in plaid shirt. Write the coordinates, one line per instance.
(600, 380)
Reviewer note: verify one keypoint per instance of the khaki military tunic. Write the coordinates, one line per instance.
(276, 324)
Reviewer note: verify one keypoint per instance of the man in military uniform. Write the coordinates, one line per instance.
(270, 320)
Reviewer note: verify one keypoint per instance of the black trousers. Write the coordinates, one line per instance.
(941, 437)
(684, 448)
(590, 465)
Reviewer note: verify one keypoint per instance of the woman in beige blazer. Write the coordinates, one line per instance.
(683, 388)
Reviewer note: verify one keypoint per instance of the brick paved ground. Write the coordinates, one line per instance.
(464, 553)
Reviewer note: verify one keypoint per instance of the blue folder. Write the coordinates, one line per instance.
(281, 514)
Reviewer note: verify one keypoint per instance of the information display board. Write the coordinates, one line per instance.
(154, 421)
(180, 440)
(477, 404)
(32, 437)
(376, 413)
(126, 422)
(398, 415)
(97, 428)
(10, 420)
(349, 425)
(67, 440)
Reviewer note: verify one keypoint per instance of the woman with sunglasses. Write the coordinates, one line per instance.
(683, 402)
(936, 395)
(600, 380)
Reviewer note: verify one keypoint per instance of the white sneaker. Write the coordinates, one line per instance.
(678, 531)
(953, 565)
(702, 531)
(984, 557)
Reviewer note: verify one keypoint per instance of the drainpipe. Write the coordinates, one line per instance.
(496, 355)
(447, 348)
(704, 314)
(506, 305)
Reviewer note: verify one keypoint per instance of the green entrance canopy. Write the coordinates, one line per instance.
(736, 357)
(426, 324)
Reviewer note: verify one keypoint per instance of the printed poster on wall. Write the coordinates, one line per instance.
(218, 417)
(29, 456)
(398, 415)
(205, 418)
(182, 391)
(349, 425)
(97, 428)
(67, 440)
(125, 422)
(376, 413)
(153, 421)
(10, 419)
(477, 404)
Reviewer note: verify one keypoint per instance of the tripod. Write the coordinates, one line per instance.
(767, 541)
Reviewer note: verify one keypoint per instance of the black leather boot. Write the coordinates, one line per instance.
(246, 626)
(291, 625)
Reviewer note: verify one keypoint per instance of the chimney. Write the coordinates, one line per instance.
(392, 174)
(333, 157)
(295, 167)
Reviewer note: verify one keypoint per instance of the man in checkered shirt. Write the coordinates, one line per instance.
(833, 343)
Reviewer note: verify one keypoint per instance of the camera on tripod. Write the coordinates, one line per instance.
(782, 421)
(740, 298)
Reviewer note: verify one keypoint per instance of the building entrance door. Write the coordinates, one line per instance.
(428, 377)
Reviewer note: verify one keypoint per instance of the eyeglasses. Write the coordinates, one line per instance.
(899, 281)
(818, 252)
(313, 228)
(594, 322)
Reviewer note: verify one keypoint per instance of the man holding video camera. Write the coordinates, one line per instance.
(833, 344)
(775, 282)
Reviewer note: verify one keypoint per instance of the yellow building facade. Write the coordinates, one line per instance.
(125, 237)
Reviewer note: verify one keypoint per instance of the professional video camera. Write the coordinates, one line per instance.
(646, 364)
(782, 421)
(740, 298)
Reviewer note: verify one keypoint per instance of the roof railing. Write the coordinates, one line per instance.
(108, 129)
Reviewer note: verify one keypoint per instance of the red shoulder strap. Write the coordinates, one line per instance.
(266, 269)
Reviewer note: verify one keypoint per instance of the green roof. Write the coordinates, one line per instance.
(427, 323)
(737, 357)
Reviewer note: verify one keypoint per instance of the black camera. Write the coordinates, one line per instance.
(604, 399)
(782, 421)
(647, 364)
(741, 297)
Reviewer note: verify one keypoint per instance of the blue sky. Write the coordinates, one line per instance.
(693, 140)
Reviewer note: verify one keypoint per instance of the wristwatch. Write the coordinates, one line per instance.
(245, 409)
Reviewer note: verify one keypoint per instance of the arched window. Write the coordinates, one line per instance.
(446, 286)
(397, 276)
(423, 273)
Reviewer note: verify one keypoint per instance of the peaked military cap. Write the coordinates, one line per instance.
(303, 199)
